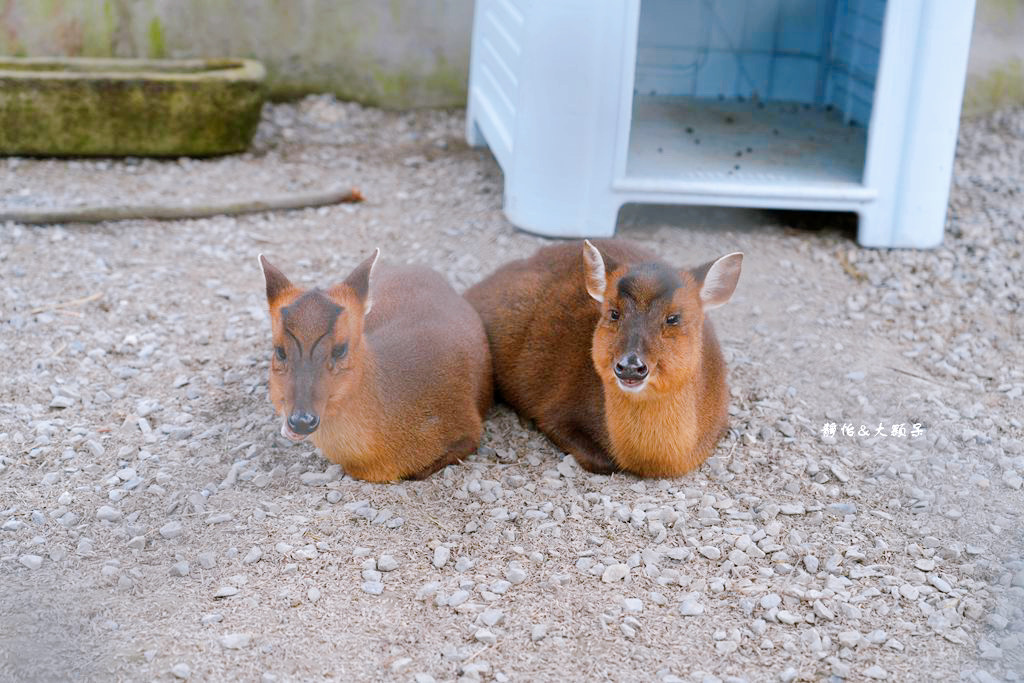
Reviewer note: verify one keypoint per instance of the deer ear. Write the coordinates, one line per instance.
(595, 271)
(361, 279)
(276, 281)
(718, 279)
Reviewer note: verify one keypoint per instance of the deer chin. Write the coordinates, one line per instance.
(287, 433)
(632, 386)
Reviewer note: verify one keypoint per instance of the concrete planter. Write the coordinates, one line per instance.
(128, 107)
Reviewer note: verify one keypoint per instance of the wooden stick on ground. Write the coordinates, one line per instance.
(850, 269)
(66, 304)
(917, 376)
(99, 214)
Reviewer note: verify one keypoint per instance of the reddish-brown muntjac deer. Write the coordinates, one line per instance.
(389, 371)
(609, 351)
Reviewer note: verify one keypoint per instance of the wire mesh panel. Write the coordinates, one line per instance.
(713, 74)
(804, 51)
(856, 40)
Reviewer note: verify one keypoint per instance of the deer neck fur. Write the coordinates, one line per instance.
(350, 427)
(660, 435)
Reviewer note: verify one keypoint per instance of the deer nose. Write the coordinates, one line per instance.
(631, 368)
(303, 423)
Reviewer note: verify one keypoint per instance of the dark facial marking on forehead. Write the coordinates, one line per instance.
(647, 282)
(313, 313)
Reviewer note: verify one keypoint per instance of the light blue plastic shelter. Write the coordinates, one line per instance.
(834, 105)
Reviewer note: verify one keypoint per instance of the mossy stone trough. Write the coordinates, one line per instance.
(128, 107)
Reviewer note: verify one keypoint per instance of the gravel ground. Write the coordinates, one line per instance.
(153, 526)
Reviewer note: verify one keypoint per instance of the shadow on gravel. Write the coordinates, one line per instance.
(49, 634)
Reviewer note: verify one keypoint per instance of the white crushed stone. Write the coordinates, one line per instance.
(108, 514)
(235, 641)
(31, 561)
(441, 556)
(171, 530)
(387, 563)
(691, 607)
(615, 572)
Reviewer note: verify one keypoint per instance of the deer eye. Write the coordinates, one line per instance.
(339, 351)
(672, 319)
(613, 314)
(279, 352)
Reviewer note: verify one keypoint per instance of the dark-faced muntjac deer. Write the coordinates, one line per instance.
(608, 350)
(389, 371)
